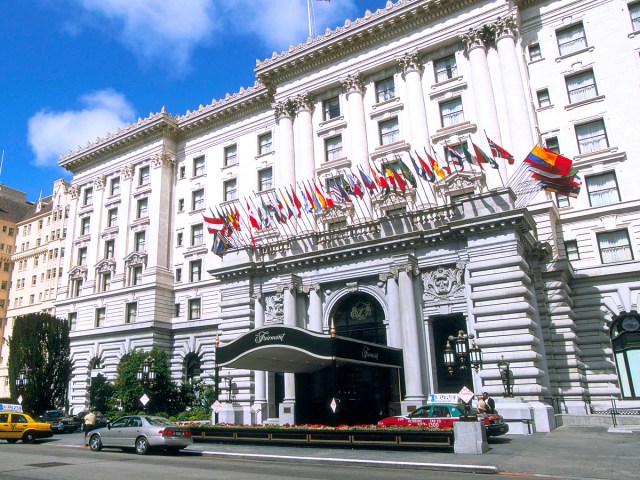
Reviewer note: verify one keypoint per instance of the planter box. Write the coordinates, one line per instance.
(364, 438)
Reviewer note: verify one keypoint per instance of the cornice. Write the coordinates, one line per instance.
(372, 29)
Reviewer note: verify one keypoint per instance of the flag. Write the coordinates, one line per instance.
(252, 218)
(214, 224)
(434, 165)
(336, 192)
(289, 211)
(264, 215)
(327, 197)
(551, 175)
(356, 186)
(498, 151)
(392, 179)
(406, 172)
(420, 171)
(219, 245)
(380, 180)
(483, 157)
(295, 200)
(470, 158)
(402, 184)
(545, 159)
(455, 156)
(366, 180)
(319, 196)
(308, 200)
(428, 173)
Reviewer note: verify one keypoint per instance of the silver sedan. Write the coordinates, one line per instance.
(142, 433)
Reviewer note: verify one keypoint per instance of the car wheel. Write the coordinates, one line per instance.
(12, 440)
(28, 437)
(95, 443)
(142, 446)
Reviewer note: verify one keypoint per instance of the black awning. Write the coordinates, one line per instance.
(295, 350)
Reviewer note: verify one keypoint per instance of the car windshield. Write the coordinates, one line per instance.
(159, 421)
(54, 414)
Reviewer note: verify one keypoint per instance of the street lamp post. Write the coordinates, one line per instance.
(456, 354)
(146, 375)
(506, 375)
(22, 382)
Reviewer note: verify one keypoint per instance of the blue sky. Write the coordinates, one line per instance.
(73, 70)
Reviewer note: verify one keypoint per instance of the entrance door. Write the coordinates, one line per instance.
(444, 327)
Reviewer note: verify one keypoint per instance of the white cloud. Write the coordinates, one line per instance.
(53, 133)
(167, 31)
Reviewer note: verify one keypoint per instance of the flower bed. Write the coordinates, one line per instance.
(345, 435)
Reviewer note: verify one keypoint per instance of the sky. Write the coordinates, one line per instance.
(73, 70)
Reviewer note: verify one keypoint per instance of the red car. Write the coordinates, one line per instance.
(444, 415)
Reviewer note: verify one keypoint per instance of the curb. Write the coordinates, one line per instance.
(486, 469)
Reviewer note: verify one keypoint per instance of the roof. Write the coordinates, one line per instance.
(13, 204)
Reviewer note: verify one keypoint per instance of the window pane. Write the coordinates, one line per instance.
(265, 179)
(333, 147)
(331, 108)
(591, 137)
(603, 189)
(571, 247)
(230, 155)
(543, 98)
(445, 68)
(198, 200)
(389, 131)
(581, 87)
(265, 143)
(385, 89)
(571, 39)
(196, 234)
(451, 112)
(615, 246)
(230, 190)
(198, 166)
(634, 11)
(552, 144)
(534, 52)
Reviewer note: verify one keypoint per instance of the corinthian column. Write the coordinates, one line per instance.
(315, 309)
(412, 72)
(286, 166)
(305, 160)
(394, 339)
(513, 87)
(260, 390)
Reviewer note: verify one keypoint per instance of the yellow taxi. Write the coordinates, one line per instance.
(16, 425)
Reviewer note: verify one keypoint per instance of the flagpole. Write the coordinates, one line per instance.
(306, 212)
(309, 16)
(362, 198)
(429, 182)
(415, 167)
(355, 200)
(259, 208)
(248, 223)
(444, 200)
(303, 220)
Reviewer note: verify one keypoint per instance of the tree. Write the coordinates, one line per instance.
(101, 393)
(163, 392)
(39, 346)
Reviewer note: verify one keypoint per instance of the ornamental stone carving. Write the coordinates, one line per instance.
(78, 273)
(105, 266)
(410, 62)
(392, 274)
(353, 83)
(274, 308)
(127, 172)
(73, 191)
(303, 101)
(476, 38)
(283, 109)
(444, 283)
(98, 182)
(163, 159)
(135, 258)
(506, 26)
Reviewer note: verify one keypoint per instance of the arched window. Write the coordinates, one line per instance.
(625, 340)
(360, 316)
(191, 368)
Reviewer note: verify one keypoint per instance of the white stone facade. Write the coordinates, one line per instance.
(413, 75)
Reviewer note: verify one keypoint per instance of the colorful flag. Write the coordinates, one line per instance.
(402, 184)
(429, 175)
(356, 186)
(295, 200)
(214, 224)
(470, 158)
(545, 159)
(252, 218)
(455, 156)
(434, 165)
(264, 215)
(392, 179)
(380, 180)
(367, 181)
(288, 208)
(406, 172)
(321, 200)
(498, 151)
(483, 157)
(219, 245)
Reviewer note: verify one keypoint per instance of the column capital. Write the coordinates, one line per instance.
(73, 191)
(409, 268)
(98, 182)
(257, 295)
(410, 62)
(505, 27)
(302, 102)
(162, 159)
(127, 172)
(353, 83)
(391, 274)
(309, 288)
(291, 286)
(476, 38)
(283, 109)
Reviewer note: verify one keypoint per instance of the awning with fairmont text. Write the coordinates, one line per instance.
(295, 350)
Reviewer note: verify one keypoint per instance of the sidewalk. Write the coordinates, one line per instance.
(567, 452)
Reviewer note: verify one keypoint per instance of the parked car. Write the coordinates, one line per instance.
(101, 419)
(141, 433)
(444, 415)
(59, 421)
(16, 426)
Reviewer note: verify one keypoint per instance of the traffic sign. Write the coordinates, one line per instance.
(466, 395)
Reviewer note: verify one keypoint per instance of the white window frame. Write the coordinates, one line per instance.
(451, 112)
(592, 136)
(231, 155)
(333, 148)
(615, 246)
(265, 143)
(389, 131)
(198, 166)
(602, 189)
(445, 68)
(230, 189)
(385, 89)
(581, 86)
(571, 39)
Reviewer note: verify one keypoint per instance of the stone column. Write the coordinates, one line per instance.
(515, 97)
(315, 308)
(159, 232)
(71, 256)
(305, 158)
(286, 173)
(412, 358)
(357, 129)
(124, 219)
(287, 408)
(394, 338)
(260, 377)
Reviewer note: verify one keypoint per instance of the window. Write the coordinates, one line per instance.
(194, 309)
(176, 309)
(198, 166)
(581, 86)
(82, 256)
(445, 68)
(389, 131)
(331, 108)
(100, 315)
(634, 12)
(534, 52)
(571, 247)
(32, 298)
(196, 234)
(602, 189)
(105, 281)
(385, 89)
(552, 144)
(195, 273)
(114, 186)
(178, 274)
(181, 204)
(3, 285)
(265, 179)
(592, 136)
(264, 143)
(109, 248)
(179, 239)
(143, 175)
(451, 112)
(571, 39)
(112, 217)
(34, 280)
(136, 275)
(230, 189)
(615, 246)
(141, 209)
(139, 240)
(197, 199)
(182, 171)
(543, 98)
(333, 148)
(230, 155)
(87, 198)
(72, 320)
(85, 225)
(562, 201)
(131, 312)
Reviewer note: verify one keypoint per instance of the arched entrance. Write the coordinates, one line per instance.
(365, 393)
